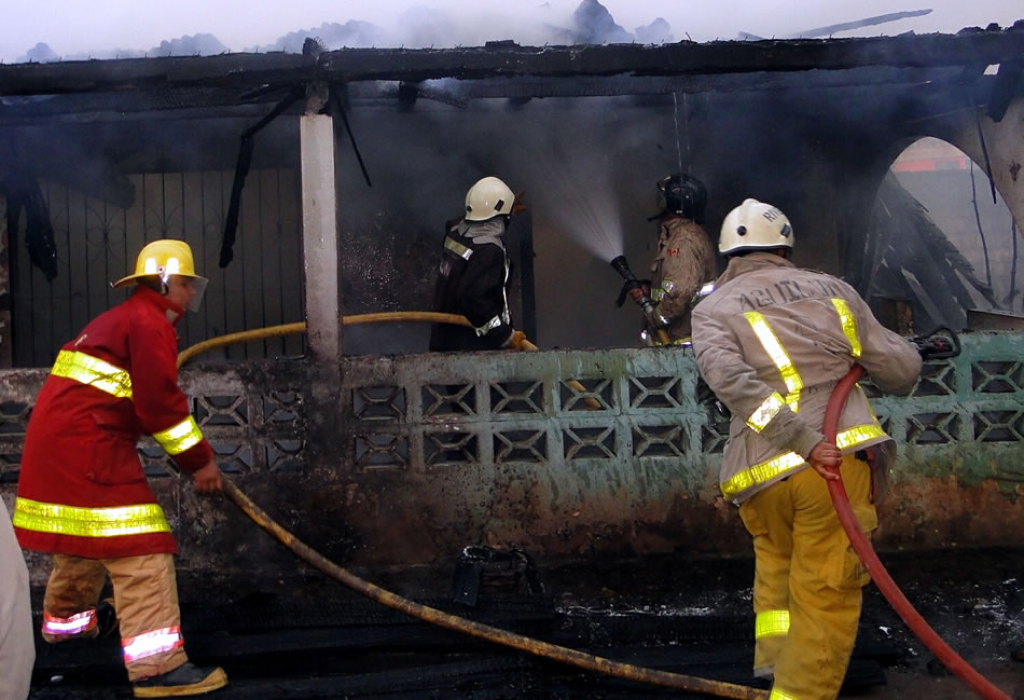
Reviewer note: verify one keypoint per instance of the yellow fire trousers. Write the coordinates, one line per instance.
(808, 581)
(146, 600)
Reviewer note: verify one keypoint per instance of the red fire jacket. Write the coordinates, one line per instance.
(82, 490)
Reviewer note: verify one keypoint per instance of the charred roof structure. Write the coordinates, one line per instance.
(811, 124)
(235, 153)
(315, 185)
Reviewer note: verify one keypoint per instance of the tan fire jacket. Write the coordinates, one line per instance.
(772, 341)
(685, 262)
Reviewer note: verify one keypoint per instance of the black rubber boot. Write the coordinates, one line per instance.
(106, 618)
(187, 679)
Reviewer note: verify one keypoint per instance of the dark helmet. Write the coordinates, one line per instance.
(684, 195)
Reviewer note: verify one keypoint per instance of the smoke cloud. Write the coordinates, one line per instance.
(70, 29)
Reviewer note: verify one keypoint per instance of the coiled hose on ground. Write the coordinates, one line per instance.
(978, 683)
(434, 616)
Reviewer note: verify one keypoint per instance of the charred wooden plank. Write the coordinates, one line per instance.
(413, 65)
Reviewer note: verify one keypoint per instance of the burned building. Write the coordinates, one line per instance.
(315, 186)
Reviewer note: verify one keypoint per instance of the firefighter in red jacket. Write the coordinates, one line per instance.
(82, 494)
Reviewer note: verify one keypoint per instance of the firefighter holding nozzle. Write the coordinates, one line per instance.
(685, 262)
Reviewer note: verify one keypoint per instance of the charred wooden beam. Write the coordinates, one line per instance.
(205, 103)
(351, 65)
(674, 59)
(134, 74)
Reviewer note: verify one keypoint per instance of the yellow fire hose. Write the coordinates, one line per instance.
(475, 629)
(358, 319)
(434, 616)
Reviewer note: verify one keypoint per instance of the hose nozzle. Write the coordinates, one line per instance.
(621, 265)
(634, 288)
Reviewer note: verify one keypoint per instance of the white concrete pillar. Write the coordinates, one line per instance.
(320, 238)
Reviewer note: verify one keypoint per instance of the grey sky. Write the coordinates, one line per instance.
(77, 26)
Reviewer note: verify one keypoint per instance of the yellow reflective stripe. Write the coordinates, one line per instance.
(849, 324)
(788, 461)
(657, 293)
(777, 694)
(857, 435)
(94, 372)
(89, 522)
(179, 438)
(771, 623)
(764, 413)
(760, 473)
(772, 346)
(453, 245)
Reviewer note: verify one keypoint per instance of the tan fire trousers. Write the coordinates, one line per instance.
(17, 645)
(145, 596)
(808, 581)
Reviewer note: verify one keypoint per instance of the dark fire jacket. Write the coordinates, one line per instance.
(472, 281)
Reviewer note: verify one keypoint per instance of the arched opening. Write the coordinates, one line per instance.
(943, 245)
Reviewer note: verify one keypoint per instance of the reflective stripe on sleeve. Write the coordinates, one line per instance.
(179, 438)
(777, 694)
(771, 623)
(772, 346)
(764, 413)
(151, 643)
(94, 372)
(453, 245)
(490, 325)
(849, 324)
(89, 522)
(788, 461)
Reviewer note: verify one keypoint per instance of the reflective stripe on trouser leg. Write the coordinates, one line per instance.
(72, 592)
(146, 597)
(771, 630)
(773, 547)
(825, 584)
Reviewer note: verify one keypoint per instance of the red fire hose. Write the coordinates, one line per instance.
(978, 683)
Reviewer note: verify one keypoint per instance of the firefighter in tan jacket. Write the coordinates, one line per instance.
(772, 341)
(685, 261)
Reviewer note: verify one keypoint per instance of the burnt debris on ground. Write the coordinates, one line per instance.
(306, 637)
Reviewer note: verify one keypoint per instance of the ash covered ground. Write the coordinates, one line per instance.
(304, 636)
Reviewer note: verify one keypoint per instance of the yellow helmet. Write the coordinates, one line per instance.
(161, 259)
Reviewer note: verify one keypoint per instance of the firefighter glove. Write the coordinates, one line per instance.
(516, 340)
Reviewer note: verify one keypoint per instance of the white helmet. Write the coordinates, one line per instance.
(488, 198)
(754, 225)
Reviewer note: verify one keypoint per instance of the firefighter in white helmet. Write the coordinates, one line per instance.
(772, 341)
(685, 261)
(82, 492)
(474, 274)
